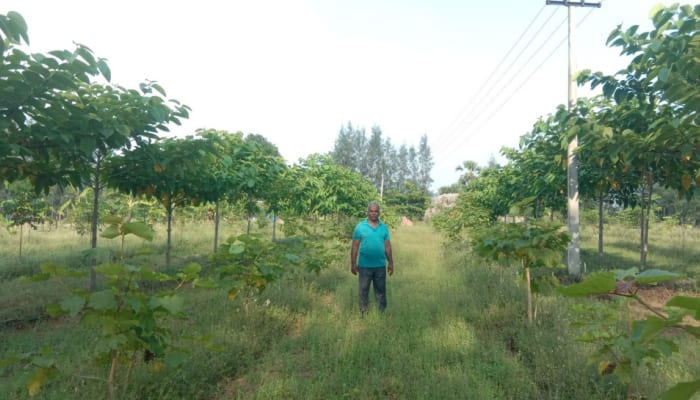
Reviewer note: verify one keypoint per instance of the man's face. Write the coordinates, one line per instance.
(373, 214)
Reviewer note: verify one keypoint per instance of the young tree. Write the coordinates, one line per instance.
(171, 170)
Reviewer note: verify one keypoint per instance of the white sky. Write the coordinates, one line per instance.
(295, 71)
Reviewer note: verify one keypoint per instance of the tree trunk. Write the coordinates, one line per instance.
(21, 234)
(169, 210)
(94, 219)
(645, 226)
(642, 254)
(216, 226)
(274, 226)
(530, 314)
(600, 224)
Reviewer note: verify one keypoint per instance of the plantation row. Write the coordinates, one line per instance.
(263, 319)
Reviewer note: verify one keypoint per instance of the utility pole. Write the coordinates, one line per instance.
(574, 251)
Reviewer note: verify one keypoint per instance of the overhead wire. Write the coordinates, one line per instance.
(445, 149)
(483, 86)
(527, 79)
(478, 113)
(453, 132)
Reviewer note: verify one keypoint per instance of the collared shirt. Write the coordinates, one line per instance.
(372, 251)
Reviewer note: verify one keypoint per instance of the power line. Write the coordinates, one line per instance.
(476, 95)
(454, 133)
(488, 103)
(451, 149)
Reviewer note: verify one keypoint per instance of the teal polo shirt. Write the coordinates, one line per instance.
(371, 239)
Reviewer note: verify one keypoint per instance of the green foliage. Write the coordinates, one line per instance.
(248, 263)
(465, 214)
(127, 318)
(24, 206)
(622, 351)
(528, 244)
(377, 160)
(410, 202)
(319, 187)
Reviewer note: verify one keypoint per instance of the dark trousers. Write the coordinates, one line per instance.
(377, 278)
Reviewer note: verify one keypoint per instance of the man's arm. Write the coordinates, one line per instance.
(353, 256)
(389, 256)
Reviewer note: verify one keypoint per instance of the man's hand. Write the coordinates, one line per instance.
(391, 268)
(354, 269)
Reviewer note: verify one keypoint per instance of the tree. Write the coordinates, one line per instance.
(171, 170)
(425, 164)
(471, 171)
(36, 96)
(375, 159)
(24, 207)
(57, 127)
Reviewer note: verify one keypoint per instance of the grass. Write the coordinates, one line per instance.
(454, 329)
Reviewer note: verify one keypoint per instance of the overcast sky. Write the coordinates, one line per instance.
(471, 75)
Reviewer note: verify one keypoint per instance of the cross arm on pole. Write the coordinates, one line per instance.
(572, 3)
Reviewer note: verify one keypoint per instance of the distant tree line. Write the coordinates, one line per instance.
(401, 175)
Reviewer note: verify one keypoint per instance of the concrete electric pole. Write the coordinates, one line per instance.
(574, 252)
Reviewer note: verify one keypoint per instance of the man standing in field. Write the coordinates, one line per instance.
(372, 243)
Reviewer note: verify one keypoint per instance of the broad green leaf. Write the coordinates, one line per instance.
(133, 302)
(205, 283)
(596, 283)
(73, 304)
(682, 391)
(236, 249)
(114, 342)
(110, 232)
(55, 310)
(112, 219)
(103, 300)
(111, 269)
(104, 69)
(621, 275)
(689, 303)
(192, 269)
(140, 229)
(171, 303)
(648, 328)
(655, 276)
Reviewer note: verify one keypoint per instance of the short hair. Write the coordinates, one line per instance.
(373, 204)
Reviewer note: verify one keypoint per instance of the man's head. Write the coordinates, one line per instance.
(373, 211)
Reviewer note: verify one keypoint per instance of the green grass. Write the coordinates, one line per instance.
(454, 329)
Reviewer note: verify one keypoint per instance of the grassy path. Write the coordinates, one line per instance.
(454, 329)
(421, 348)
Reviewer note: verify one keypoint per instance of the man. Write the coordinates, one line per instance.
(371, 242)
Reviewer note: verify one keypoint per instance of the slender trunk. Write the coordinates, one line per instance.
(216, 226)
(600, 224)
(169, 210)
(94, 219)
(21, 236)
(112, 374)
(248, 228)
(274, 226)
(642, 255)
(645, 228)
(530, 316)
